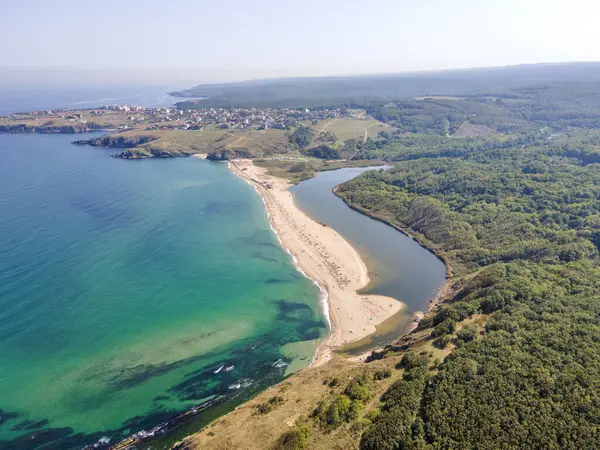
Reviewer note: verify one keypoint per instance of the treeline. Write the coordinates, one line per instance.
(559, 106)
(508, 82)
(522, 227)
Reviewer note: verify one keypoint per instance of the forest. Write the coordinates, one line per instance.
(519, 221)
(363, 90)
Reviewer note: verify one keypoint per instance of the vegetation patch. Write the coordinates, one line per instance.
(270, 405)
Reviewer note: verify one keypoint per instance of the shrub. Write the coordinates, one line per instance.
(359, 388)
(442, 342)
(302, 136)
(382, 374)
(323, 152)
(355, 408)
(295, 439)
(426, 322)
(298, 167)
(411, 360)
(448, 326)
(373, 414)
(416, 373)
(271, 404)
(467, 333)
(338, 411)
(335, 381)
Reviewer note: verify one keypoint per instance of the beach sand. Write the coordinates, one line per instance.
(324, 256)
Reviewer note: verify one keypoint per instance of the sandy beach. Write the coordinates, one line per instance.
(325, 257)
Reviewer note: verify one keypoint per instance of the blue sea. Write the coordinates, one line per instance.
(131, 291)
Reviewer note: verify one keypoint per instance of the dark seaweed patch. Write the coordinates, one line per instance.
(277, 281)
(6, 416)
(196, 386)
(125, 378)
(103, 214)
(37, 439)
(261, 238)
(299, 317)
(259, 255)
(149, 420)
(30, 425)
(287, 309)
(312, 330)
(134, 376)
(217, 207)
(254, 361)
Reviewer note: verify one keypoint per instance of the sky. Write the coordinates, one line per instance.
(225, 40)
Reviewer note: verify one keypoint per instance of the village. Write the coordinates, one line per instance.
(125, 117)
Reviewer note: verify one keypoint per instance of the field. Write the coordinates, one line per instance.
(107, 119)
(261, 143)
(349, 128)
(165, 143)
(467, 130)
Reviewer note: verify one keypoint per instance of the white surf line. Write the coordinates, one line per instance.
(324, 294)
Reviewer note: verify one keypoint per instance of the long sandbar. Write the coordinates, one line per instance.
(324, 256)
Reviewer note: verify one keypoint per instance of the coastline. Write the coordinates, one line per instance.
(326, 258)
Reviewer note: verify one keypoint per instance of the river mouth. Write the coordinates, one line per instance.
(386, 332)
(398, 266)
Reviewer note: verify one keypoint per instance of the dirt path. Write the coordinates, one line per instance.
(325, 127)
(367, 131)
(237, 141)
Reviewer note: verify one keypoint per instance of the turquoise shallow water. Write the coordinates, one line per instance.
(124, 287)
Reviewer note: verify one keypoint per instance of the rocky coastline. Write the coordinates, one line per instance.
(51, 129)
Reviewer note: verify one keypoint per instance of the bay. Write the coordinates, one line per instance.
(126, 285)
(22, 98)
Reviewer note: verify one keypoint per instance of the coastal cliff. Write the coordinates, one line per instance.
(50, 129)
(136, 146)
(228, 154)
(116, 141)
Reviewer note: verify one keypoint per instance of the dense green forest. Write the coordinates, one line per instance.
(519, 219)
(498, 172)
(314, 92)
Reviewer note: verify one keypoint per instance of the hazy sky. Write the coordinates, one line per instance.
(241, 39)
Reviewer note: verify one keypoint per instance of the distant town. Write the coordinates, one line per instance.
(172, 118)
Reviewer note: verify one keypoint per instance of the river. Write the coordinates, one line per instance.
(398, 266)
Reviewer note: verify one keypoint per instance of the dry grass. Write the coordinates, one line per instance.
(467, 129)
(349, 128)
(245, 428)
(110, 119)
(186, 142)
